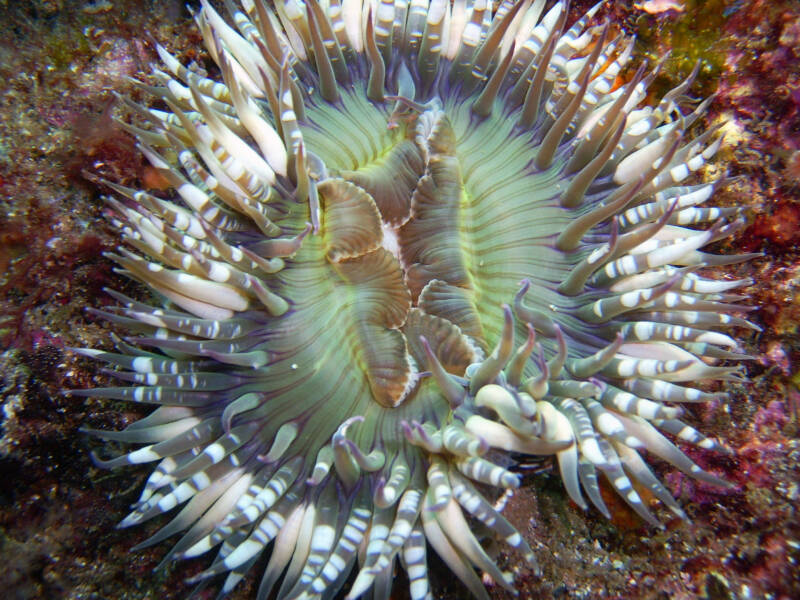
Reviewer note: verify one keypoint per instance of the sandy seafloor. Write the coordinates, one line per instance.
(59, 62)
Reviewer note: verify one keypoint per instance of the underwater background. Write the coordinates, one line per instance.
(61, 61)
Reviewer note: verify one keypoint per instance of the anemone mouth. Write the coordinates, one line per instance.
(406, 237)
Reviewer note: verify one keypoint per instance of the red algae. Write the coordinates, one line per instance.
(60, 61)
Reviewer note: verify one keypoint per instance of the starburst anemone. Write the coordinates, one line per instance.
(410, 242)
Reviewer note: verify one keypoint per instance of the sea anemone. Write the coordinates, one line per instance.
(410, 241)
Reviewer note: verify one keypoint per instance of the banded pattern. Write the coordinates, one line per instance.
(408, 238)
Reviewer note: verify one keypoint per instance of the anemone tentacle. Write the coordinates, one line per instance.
(408, 238)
